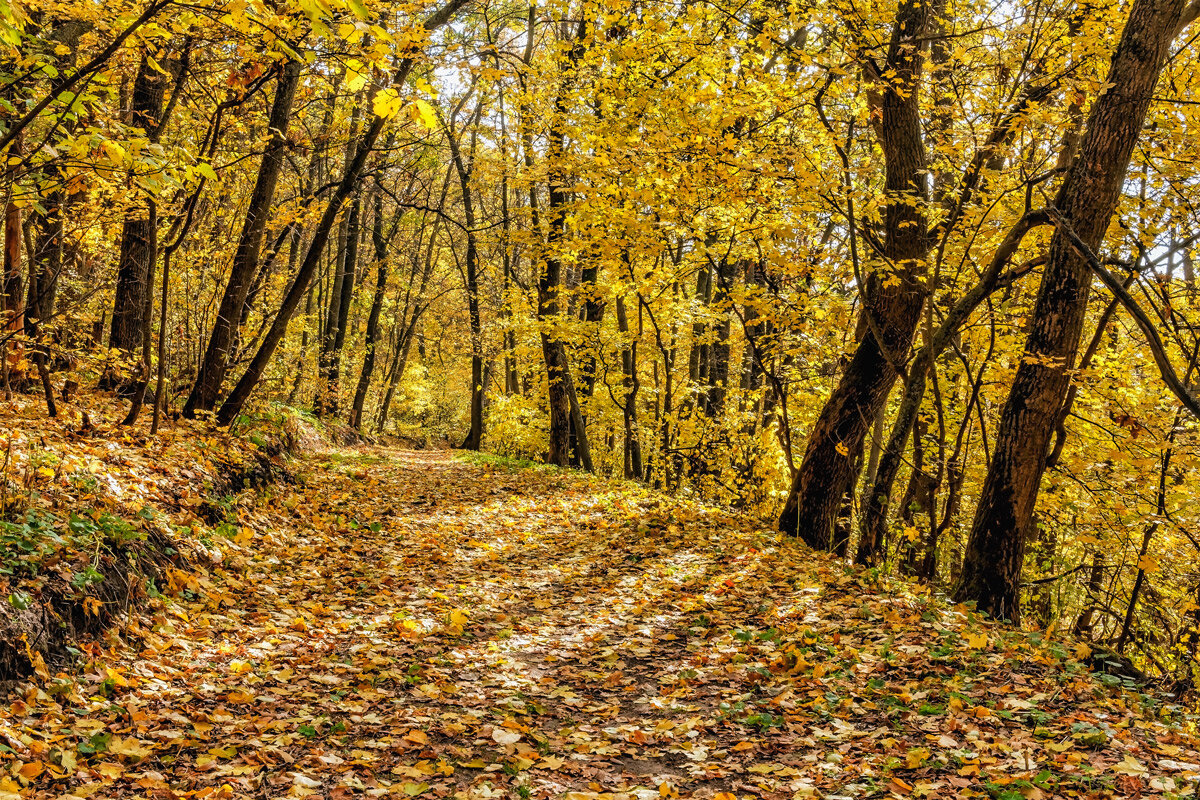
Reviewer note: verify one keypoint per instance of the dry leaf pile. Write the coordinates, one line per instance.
(403, 624)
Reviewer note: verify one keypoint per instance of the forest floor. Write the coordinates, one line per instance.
(404, 624)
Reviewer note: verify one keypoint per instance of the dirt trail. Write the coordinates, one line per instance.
(406, 624)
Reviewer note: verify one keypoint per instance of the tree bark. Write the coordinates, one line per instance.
(133, 267)
(13, 305)
(892, 303)
(995, 551)
(215, 364)
(474, 438)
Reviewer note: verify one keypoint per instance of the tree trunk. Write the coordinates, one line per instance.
(215, 364)
(13, 307)
(245, 386)
(329, 356)
(891, 303)
(995, 551)
(474, 438)
(698, 355)
(372, 334)
(631, 385)
(718, 355)
(133, 266)
(139, 394)
(550, 281)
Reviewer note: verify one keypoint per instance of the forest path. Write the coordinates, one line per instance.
(401, 624)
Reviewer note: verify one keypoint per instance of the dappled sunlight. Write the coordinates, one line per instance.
(404, 624)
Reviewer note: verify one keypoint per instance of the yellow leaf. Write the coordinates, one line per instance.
(425, 114)
(31, 770)
(457, 622)
(1130, 766)
(128, 747)
(916, 757)
(977, 641)
(387, 103)
(115, 153)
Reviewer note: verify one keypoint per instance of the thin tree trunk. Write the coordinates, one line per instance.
(372, 333)
(474, 438)
(245, 386)
(631, 385)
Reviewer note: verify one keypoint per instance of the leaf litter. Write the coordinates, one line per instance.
(409, 624)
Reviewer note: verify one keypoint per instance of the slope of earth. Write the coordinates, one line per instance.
(95, 515)
(407, 624)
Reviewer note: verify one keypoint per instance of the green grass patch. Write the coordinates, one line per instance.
(506, 463)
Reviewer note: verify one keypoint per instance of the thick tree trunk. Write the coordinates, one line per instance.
(215, 364)
(133, 266)
(561, 391)
(995, 552)
(891, 302)
(139, 394)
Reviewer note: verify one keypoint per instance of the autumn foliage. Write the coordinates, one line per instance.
(911, 283)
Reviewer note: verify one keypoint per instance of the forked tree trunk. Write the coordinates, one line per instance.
(995, 552)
